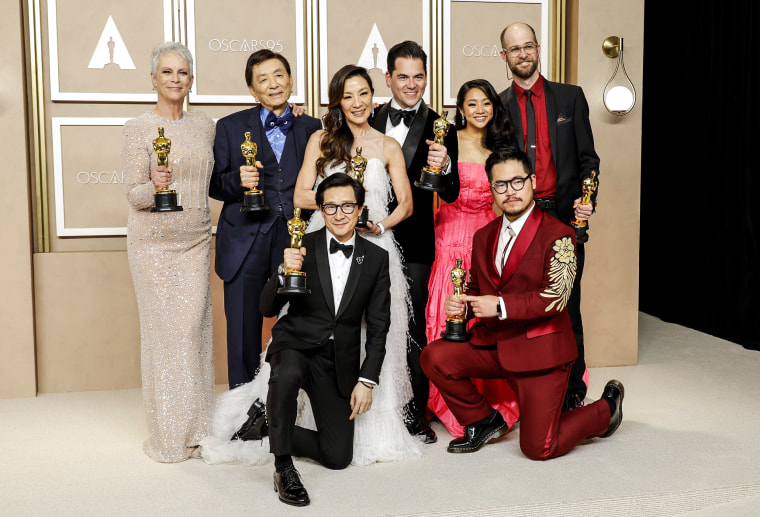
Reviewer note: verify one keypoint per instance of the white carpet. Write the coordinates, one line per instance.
(688, 445)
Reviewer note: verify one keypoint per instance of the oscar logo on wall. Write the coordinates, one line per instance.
(111, 51)
(374, 58)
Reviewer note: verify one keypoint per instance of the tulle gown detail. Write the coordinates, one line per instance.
(455, 225)
(380, 434)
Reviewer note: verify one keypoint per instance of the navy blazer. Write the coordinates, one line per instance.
(237, 230)
(571, 140)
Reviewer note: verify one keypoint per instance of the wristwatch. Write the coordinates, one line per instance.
(281, 274)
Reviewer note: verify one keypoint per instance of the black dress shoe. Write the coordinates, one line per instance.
(572, 401)
(476, 435)
(614, 392)
(421, 427)
(289, 488)
(256, 427)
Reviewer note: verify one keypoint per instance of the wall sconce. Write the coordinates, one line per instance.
(619, 95)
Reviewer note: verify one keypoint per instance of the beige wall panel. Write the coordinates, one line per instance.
(103, 47)
(360, 32)
(475, 47)
(17, 369)
(88, 331)
(610, 281)
(222, 42)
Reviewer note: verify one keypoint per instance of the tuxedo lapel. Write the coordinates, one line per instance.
(357, 264)
(514, 113)
(298, 131)
(551, 117)
(381, 119)
(493, 237)
(254, 126)
(323, 268)
(415, 134)
(520, 246)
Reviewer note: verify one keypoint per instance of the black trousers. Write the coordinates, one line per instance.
(313, 371)
(419, 275)
(241, 303)
(576, 384)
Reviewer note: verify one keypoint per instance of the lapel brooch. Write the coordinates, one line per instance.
(360, 259)
(561, 118)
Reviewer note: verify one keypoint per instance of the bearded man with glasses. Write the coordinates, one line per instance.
(552, 126)
(523, 267)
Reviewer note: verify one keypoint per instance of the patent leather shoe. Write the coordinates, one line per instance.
(614, 392)
(421, 427)
(572, 401)
(289, 488)
(476, 435)
(256, 427)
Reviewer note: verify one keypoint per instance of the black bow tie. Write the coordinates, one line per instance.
(284, 122)
(347, 249)
(407, 115)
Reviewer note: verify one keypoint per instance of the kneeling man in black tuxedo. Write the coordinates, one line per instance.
(316, 346)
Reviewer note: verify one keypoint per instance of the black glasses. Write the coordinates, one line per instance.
(346, 208)
(517, 184)
(515, 51)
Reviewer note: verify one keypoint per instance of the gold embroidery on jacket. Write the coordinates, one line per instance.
(561, 274)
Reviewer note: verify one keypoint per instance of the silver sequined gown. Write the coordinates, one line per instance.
(169, 255)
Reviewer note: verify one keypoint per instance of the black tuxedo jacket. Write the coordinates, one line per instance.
(312, 319)
(416, 235)
(571, 139)
(237, 230)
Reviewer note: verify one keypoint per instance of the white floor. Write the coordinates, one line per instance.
(689, 445)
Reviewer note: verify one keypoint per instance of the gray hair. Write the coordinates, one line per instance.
(173, 47)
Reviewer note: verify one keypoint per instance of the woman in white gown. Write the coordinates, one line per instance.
(380, 434)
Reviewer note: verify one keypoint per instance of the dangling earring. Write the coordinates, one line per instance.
(464, 120)
(372, 115)
(340, 118)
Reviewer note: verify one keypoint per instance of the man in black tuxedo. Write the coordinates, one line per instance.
(552, 126)
(316, 346)
(409, 120)
(249, 244)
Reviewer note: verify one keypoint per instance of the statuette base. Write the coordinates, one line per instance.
(456, 331)
(166, 201)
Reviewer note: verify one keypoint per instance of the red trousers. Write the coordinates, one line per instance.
(545, 432)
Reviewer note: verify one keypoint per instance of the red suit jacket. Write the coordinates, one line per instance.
(535, 285)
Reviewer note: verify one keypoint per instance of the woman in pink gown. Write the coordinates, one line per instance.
(482, 125)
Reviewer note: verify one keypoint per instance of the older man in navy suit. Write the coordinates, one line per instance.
(249, 244)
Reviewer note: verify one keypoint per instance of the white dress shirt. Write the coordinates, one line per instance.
(340, 266)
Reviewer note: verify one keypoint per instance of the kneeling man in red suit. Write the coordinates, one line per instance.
(523, 267)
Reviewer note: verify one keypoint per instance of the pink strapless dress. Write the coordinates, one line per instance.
(455, 225)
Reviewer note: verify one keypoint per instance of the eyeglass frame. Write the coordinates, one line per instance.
(528, 48)
(508, 183)
(342, 206)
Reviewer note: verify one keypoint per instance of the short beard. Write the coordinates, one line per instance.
(517, 72)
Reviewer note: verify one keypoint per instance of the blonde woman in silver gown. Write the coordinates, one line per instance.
(169, 256)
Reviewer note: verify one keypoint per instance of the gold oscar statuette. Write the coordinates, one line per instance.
(253, 200)
(589, 187)
(358, 167)
(431, 178)
(165, 199)
(456, 327)
(294, 281)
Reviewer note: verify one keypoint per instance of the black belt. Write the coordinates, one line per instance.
(546, 204)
